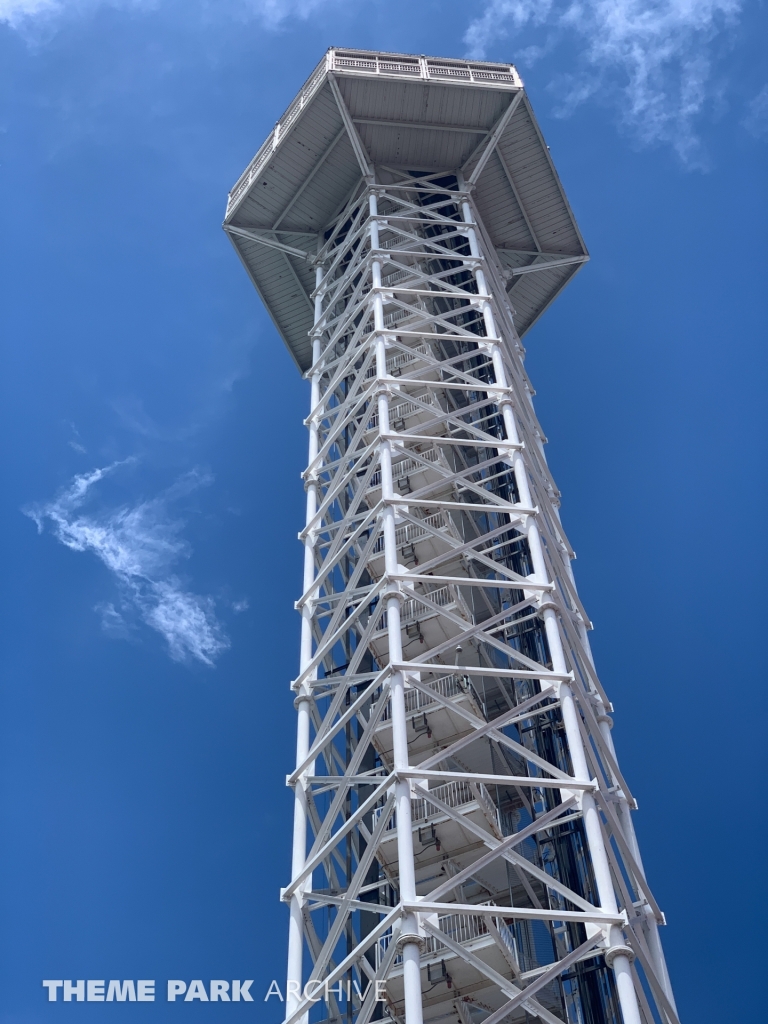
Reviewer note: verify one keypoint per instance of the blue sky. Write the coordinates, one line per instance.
(153, 443)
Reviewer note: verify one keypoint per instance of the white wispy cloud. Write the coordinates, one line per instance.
(272, 13)
(139, 545)
(18, 12)
(653, 57)
(76, 442)
(756, 121)
(113, 622)
(14, 11)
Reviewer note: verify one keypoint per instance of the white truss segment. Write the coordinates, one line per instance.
(462, 831)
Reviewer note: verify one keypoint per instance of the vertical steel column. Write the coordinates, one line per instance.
(303, 700)
(409, 935)
(617, 955)
(605, 723)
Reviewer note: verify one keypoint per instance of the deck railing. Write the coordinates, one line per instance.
(368, 62)
(272, 141)
(362, 62)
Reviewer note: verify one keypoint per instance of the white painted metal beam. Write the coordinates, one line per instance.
(488, 147)
(268, 241)
(354, 136)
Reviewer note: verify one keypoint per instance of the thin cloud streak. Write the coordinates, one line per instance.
(20, 14)
(756, 121)
(139, 546)
(652, 58)
(17, 13)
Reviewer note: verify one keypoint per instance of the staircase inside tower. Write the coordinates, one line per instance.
(435, 536)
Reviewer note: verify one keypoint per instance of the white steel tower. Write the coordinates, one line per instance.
(462, 829)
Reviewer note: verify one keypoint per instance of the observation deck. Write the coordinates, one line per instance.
(413, 114)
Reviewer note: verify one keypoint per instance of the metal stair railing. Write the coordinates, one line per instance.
(456, 793)
(413, 610)
(445, 686)
(462, 928)
(405, 467)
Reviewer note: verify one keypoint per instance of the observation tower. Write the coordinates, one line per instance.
(462, 831)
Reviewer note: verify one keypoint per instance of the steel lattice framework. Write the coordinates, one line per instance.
(462, 830)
